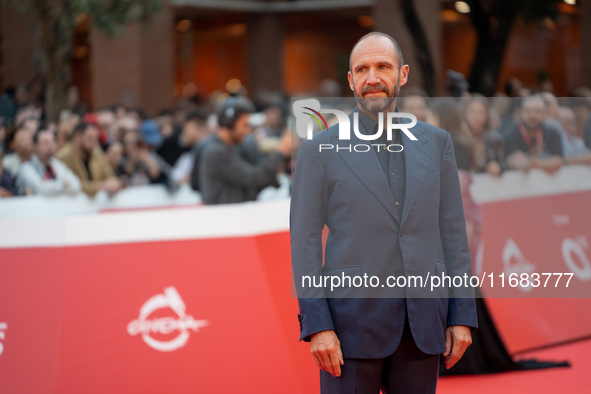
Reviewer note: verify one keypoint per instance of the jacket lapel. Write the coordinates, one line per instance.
(367, 168)
(416, 161)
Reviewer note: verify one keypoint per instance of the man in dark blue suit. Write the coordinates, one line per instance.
(389, 214)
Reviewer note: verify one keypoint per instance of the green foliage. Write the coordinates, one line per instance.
(110, 15)
(55, 23)
(107, 15)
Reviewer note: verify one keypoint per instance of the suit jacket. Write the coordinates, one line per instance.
(226, 177)
(347, 192)
(100, 169)
(30, 174)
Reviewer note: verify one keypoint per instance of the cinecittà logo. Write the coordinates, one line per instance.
(308, 110)
(165, 325)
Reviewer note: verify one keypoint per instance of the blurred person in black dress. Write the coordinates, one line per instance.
(488, 353)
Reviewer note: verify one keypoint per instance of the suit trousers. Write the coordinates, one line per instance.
(407, 371)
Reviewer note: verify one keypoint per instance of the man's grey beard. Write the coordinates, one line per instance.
(377, 104)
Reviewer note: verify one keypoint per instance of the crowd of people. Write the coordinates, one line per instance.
(228, 149)
(492, 135)
(495, 134)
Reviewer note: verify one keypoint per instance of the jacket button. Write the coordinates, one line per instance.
(398, 272)
(402, 233)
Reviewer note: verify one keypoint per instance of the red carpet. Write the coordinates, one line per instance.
(576, 379)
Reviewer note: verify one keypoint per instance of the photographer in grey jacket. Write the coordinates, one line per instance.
(225, 175)
(43, 173)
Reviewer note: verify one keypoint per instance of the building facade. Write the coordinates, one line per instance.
(198, 47)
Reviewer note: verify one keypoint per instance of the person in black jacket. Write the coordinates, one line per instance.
(248, 149)
(184, 138)
(225, 176)
(531, 143)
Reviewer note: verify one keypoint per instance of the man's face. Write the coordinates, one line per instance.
(89, 139)
(114, 154)
(32, 125)
(23, 142)
(376, 76)
(274, 117)
(45, 146)
(417, 106)
(193, 131)
(241, 128)
(533, 112)
(476, 116)
(164, 119)
(130, 143)
(22, 95)
(105, 118)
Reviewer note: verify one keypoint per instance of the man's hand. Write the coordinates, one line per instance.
(5, 193)
(326, 350)
(551, 164)
(457, 339)
(519, 161)
(111, 186)
(493, 168)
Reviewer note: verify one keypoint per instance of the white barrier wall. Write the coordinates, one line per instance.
(535, 183)
(138, 197)
(66, 220)
(75, 273)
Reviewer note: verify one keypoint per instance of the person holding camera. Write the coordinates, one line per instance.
(225, 175)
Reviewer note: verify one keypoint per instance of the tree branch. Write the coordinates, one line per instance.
(423, 53)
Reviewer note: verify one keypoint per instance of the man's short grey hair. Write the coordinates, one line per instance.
(379, 34)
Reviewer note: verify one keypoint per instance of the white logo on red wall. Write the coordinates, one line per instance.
(515, 263)
(573, 252)
(165, 326)
(3, 327)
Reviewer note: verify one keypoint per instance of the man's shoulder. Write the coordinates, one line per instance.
(513, 130)
(66, 152)
(98, 154)
(27, 167)
(214, 148)
(58, 164)
(10, 158)
(198, 148)
(552, 128)
(28, 172)
(169, 141)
